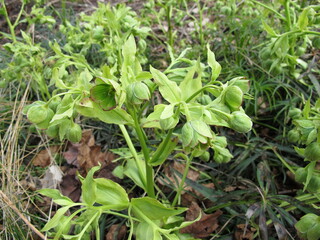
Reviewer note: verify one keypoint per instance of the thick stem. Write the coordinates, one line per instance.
(288, 16)
(163, 146)
(166, 141)
(134, 153)
(145, 151)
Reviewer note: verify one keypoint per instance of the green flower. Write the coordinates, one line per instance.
(312, 151)
(195, 132)
(240, 122)
(233, 97)
(137, 93)
(309, 226)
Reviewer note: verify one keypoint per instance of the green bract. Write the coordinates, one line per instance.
(104, 95)
(195, 132)
(240, 122)
(312, 151)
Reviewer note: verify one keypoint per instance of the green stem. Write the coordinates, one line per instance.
(16, 22)
(121, 215)
(270, 9)
(227, 115)
(199, 91)
(134, 153)
(163, 146)
(145, 151)
(288, 16)
(311, 32)
(11, 27)
(200, 23)
(283, 161)
(131, 222)
(165, 142)
(169, 14)
(184, 176)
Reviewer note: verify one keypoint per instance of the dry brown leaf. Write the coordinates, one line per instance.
(44, 157)
(52, 177)
(243, 232)
(86, 154)
(71, 186)
(31, 183)
(116, 232)
(205, 226)
(229, 188)
(174, 178)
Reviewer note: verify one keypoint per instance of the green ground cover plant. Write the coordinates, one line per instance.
(204, 99)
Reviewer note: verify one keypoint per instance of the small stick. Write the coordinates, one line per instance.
(16, 210)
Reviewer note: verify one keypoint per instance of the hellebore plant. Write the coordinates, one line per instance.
(306, 132)
(192, 101)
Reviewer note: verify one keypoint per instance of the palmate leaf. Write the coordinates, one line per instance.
(145, 231)
(168, 89)
(88, 108)
(89, 187)
(56, 219)
(192, 82)
(131, 171)
(111, 194)
(214, 65)
(56, 196)
(153, 209)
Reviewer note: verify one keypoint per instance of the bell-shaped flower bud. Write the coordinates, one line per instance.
(37, 113)
(45, 124)
(138, 92)
(294, 136)
(309, 226)
(53, 131)
(233, 97)
(54, 103)
(295, 113)
(240, 122)
(74, 133)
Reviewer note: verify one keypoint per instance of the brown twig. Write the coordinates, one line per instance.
(16, 210)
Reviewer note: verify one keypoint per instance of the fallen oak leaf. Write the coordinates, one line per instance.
(205, 226)
(45, 156)
(243, 232)
(116, 232)
(71, 186)
(85, 154)
(173, 178)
